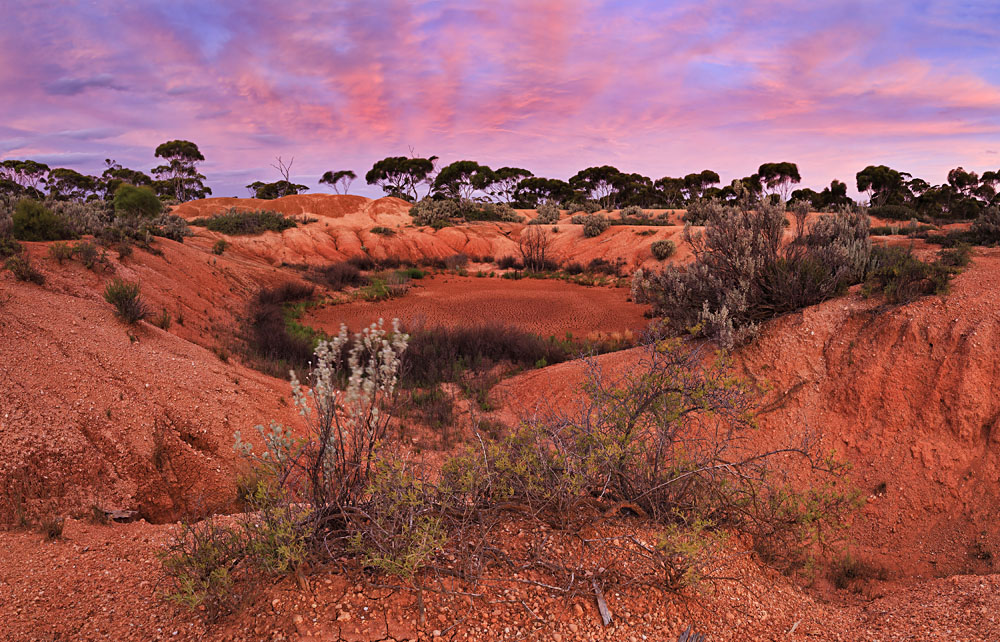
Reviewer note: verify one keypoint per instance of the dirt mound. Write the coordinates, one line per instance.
(343, 228)
(95, 412)
(906, 394)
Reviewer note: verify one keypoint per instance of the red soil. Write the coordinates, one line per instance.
(546, 307)
(90, 416)
(905, 394)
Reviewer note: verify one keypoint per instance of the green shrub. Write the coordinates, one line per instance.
(663, 249)
(895, 212)
(958, 256)
(32, 221)
(202, 565)
(902, 278)
(136, 202)
(124, 249)
(169, 226)
(88, 254)
(235, 222)
(124, 296)
(220, 246)
(22, 268)
(61, 251)
(9, 247)
(383, 231)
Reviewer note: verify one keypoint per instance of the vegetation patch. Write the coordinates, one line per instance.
(236, 222)
(124, 296)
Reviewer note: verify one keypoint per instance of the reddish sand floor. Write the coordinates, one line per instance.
(547, 307)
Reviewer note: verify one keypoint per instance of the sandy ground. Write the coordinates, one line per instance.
(93, 413)
(544, 306)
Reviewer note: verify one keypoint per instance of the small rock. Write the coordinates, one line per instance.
(343, 616)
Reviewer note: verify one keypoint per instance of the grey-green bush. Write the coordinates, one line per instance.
(744, 274)
(663, 249)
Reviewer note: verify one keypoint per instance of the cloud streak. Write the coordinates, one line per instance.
(658, 88)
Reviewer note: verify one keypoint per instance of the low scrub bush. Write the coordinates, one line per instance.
(593, 224)
(470, 210)
(901, 277)
(438, 355)
(9, 247)
(743, 274)
(219, 247)
(124, 249)
(663, 249)
(88, 254)
(456, 262)
(33, 221)
(124, 296)
(548, 213)
(337, 276)
(235, 222)
(23, 269)
(700, 211)
(362, 262)
(509, 263)
(434, 213)
(604, 266)
(895, 212)
(163, 320)
(61, 251)
(386, 286)
(269, 339)
(383, 231)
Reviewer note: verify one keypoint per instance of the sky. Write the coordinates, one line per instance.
(656, 87)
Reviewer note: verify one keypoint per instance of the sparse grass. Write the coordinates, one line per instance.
(88, 254)
(124, 296)
(163, 320)
(51, 527)
(236, 222)
(337, 276)
(848, 571)
(266, 331)
(61, 251)
(23, 269)
(901, 277)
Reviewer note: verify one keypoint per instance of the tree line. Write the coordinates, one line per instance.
(891, 193)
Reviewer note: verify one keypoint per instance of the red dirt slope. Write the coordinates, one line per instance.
(94, 412)
(906, 394)
(344, 223)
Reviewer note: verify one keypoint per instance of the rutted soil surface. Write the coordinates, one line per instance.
(95, 413)
(544, 306)
(343, 224)
(908, 395)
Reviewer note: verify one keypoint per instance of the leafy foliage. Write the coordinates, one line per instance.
(124, 296)
(236, 222)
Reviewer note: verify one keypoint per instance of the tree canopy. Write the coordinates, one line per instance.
(178, 178)
(339, 180)
(400, 176)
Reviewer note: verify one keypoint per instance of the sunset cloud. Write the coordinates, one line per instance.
(658, 88)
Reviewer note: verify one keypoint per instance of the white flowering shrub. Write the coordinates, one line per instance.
(332, 462)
